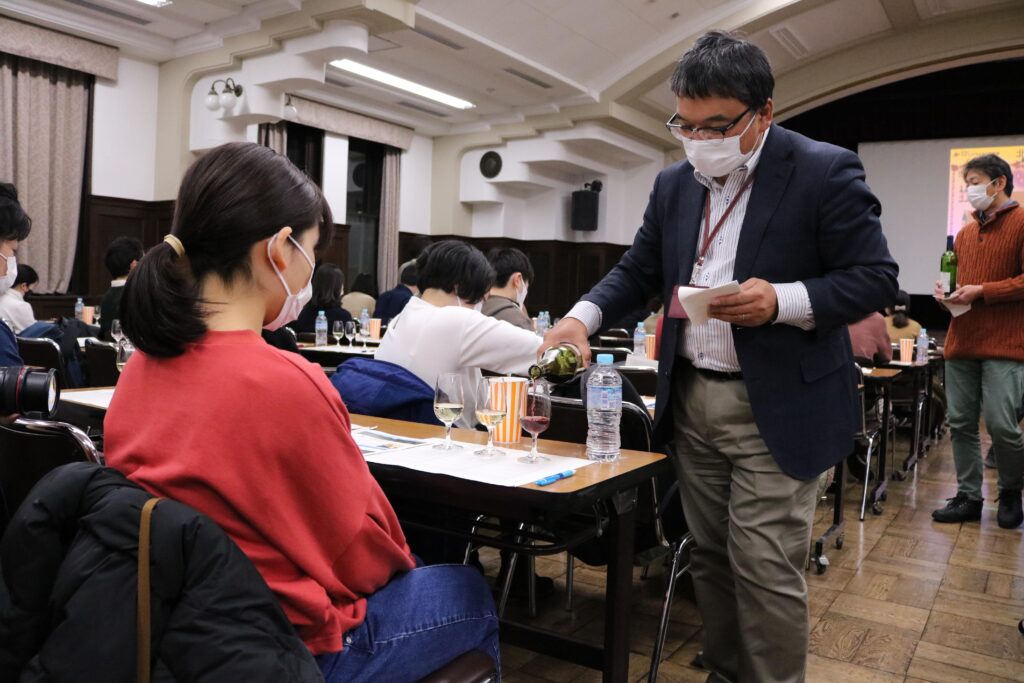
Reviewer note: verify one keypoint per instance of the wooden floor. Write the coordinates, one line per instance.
(905, 600)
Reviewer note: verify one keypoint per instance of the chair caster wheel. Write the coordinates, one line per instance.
(876, 509)
(899, 475)
(820, 564)
(839, 543)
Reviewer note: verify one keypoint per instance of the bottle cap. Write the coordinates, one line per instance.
(319, 312)
(605, 358)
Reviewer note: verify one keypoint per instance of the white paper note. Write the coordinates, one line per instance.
(95, 398)
(695, 300)
(956, 309)
(501, 470)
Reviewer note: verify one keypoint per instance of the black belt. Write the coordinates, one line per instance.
(719, 376)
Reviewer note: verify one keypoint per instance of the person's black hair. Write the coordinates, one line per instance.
(120, 254)
(27, 275)
(364, 283)
(409, 275)
(14, 222)
(457, 268)
(901, 310)
(327, 283)
(230, 198)
(993, 166)
(508, 262)
(722, 64)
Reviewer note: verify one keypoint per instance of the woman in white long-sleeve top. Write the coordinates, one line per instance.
(443, 330)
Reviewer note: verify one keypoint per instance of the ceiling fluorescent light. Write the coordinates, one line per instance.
(156, 3)
(401, 83)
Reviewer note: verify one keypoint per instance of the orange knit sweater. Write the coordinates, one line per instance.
(991, 255)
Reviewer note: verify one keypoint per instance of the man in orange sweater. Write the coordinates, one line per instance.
(985, 345)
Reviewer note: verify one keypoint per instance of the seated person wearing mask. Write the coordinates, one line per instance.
(328, 286)
(122, 254)
(444, 331)
(19, 313)
(268, 453)
(393, 301)
(513, 274)
(15, 225)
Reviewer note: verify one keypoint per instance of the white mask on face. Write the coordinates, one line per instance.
(978, 197)
(7, 281)
(293, 303)
(521, 296)
(716, 159)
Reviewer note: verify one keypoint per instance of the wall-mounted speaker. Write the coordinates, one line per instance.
(490, 164)
(584, 210)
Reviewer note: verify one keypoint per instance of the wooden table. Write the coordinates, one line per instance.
(611, 485)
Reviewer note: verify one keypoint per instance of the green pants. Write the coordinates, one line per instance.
(989, 388)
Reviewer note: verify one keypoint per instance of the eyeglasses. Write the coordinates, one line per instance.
(712, 133)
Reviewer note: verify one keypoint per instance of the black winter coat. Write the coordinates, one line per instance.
(68, 599)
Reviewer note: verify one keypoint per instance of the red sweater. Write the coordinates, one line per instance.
(991, 255)
(258, 440)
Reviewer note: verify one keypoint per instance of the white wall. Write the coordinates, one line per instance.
(335, 174)
(124, 132)
(414, 199)
(911, 181)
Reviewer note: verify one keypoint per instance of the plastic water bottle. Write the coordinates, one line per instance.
(364, 323)
(921, 356)
(320, 327)
(79, 308)
(604, 410)
(640, 341)
(542, 323)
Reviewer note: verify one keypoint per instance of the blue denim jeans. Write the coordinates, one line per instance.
(416, 624)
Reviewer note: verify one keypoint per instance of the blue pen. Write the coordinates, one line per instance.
(555, 477)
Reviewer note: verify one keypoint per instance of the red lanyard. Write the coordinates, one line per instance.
(709, 234)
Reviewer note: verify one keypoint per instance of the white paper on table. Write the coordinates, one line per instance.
(501, 470)
(371, 441)
(695, 300)
(634, 361)
(96, 398)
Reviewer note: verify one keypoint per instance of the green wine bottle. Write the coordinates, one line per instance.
(557, 364)
(947, 268)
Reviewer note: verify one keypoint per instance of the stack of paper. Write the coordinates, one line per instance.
(695, 300)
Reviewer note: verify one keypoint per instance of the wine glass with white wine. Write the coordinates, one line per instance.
(115, 330)
(448, 406)
(491, 408)
(338, 331)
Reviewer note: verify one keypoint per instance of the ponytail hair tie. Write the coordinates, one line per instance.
(899, 308)
(176, 244)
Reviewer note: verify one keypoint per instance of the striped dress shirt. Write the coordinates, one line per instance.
(711, 346)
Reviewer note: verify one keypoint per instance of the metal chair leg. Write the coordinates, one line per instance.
(674, 573)
(469, 545)
(570, 566)
(506, 588)
(531, 585)
(867, 477)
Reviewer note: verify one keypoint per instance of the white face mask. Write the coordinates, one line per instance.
(521, 296)
(978, 197)
(293, 303)
(716, 159)
(7, 281)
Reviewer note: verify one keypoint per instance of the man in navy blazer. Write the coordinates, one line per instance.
(761, 399)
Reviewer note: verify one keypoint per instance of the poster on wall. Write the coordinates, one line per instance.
(960, 211)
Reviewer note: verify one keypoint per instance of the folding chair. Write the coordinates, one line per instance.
(101, 359)
(44, 353)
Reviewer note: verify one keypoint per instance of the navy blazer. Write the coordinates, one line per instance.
(810, 218)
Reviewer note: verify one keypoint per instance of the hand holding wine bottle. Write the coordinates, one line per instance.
(568, 330)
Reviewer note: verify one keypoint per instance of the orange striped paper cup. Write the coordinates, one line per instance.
(374, 328)
(649, 343)
(509, 430)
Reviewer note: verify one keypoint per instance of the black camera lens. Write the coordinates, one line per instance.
(25, 390)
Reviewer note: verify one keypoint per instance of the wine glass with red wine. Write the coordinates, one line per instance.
(535, 415)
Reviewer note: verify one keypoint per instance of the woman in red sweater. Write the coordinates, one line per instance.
(258, 439)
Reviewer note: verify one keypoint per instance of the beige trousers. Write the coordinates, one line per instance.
(752, 524)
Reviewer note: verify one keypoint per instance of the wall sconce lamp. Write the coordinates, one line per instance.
(229, 95)
(290, 112)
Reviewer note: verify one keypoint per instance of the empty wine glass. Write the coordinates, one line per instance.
(364, 331)
(115, 330)
(350, 331)
(491, 407)
(338, 331)
(448, 406)
(535, 415)
(124, 352)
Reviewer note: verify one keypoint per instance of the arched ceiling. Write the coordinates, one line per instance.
(525, 61)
